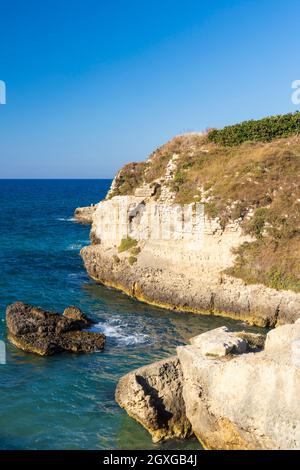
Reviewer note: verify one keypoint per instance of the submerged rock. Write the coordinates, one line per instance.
(35, 330)
(152, 395)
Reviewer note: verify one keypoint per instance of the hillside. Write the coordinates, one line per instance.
(254, 184)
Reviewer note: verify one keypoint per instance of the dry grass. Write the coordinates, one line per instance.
(264, 178)
(261, 177)
(129, 178)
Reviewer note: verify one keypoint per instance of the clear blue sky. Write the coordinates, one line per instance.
(93, 84)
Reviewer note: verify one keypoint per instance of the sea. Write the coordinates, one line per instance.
(66, 401)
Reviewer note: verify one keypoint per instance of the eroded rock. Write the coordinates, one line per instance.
(152, 395)
(240, 397)
(35, 330)
(74, 313)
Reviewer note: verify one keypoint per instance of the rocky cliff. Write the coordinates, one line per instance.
(206, 229)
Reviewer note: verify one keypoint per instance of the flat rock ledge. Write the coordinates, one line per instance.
(84, 215)
(232, 390)
(38, 331)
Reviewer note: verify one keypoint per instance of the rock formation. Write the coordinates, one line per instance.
(84, 215)
(152, 395)
(236, 395)
(183, 254)
(45, 333)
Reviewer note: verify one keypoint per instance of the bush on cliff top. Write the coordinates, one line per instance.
(262, 130)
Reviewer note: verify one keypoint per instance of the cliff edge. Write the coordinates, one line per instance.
(208, 224)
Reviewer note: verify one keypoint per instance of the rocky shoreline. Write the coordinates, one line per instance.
(231, 390)
(169, 234)
(223, 295)
(179, 259)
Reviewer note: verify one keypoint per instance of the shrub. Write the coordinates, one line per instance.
(132, 260)
(135, 250)
(211, 210)
(263, 130)
(126, 244)
(257, 223)
(130, 177)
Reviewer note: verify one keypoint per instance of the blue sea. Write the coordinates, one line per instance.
(67, 401)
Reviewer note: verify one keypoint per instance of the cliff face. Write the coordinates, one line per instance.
(201, 228)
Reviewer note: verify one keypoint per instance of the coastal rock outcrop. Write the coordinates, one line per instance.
(84, 215)
(35, 330)
(237, 400)
(177, 276)
(152, 395)
(205, 237)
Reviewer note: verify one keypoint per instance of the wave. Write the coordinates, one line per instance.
(77, 246)
(117, 332)
(66, 219)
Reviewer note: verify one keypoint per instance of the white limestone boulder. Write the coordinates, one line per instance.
(219, 342)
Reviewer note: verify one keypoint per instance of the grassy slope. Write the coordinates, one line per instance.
(260, 177)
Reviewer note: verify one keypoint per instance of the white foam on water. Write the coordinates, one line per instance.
(66, 219)
(78, 245)
(75, 246)
(117, 332)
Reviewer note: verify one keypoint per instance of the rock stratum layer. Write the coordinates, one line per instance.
(165, 240)
(38, 331)
(230, 393)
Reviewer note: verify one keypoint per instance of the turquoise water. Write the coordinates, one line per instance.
(67, 401)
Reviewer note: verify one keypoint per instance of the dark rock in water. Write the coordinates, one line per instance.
(82, 341)
(74, 313)
(36, 330)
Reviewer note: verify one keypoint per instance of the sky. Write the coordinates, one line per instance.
(94, 84)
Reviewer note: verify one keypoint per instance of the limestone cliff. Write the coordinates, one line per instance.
(206, 229)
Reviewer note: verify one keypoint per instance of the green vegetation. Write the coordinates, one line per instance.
(132, 260)
(258, 222)
(211, 210)
(276, 266)
(126, 244)
(129, 178)
(262, 178)
(135, 250)
(243, 174)
(263, 130)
